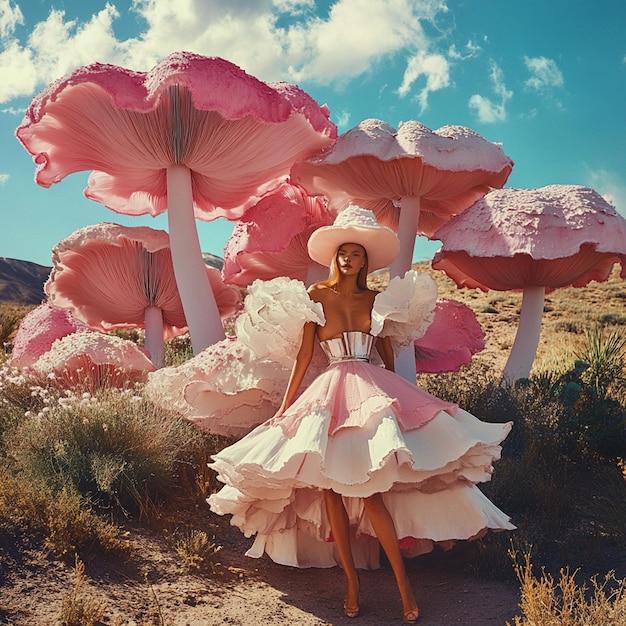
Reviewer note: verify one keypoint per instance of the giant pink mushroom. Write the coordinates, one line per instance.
(414, 179)
(111, 276)
(271, 239)
(535, 240)
(195, 135)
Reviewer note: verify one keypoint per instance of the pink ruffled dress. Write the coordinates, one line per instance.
(360, 429)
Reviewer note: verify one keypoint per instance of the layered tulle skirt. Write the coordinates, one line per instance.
(360, 430)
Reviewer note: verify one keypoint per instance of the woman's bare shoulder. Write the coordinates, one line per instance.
(318, 292)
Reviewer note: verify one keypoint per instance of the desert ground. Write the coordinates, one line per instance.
(155, 587)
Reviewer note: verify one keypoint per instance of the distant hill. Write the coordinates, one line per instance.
(212, 260)
(21, 282)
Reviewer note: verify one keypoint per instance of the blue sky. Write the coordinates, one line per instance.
(547, 80)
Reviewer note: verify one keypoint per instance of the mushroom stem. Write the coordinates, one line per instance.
(407, 229)
(154, 344)
(526, 341)
(201, 313)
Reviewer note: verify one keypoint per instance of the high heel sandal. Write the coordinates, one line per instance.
(410, 617)
(350, 612)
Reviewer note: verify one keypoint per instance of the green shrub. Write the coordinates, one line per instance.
(113, 447)
(556, 464)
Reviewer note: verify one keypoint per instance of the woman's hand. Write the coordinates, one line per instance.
(278, 414)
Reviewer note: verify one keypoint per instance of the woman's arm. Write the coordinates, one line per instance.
(305, 354)
(383, 345)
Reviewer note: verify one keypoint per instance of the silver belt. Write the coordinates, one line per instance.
(337, 359)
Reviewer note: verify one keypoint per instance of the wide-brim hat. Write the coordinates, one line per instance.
(355, 225)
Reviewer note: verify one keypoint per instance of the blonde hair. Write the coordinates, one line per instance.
(333, 273)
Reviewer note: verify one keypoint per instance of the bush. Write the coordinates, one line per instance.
(63, 517)
(556, 465)
(10, 318)
(113, 447)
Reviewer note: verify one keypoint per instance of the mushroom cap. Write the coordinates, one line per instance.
(38, 330)
(554, 236)
(107, 275)
(237, 134)
(374, 165)
(94, 359)
(450, 341)
(270, 240)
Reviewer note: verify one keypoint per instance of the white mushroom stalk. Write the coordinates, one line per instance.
(154, 343)
(203, 320)
(524, 348)
(407, 227)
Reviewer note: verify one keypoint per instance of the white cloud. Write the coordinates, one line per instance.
(470, 51)
(545, 73)
(609, 185)
(10, 17)
(490, 111)
(362, 31)
(342, 119)
(434, 67)
(294, 7)
(3, 178)
(271, 39)
(54, 47)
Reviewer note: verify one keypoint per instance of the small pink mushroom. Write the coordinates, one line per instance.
(111, 276)
(271, 239)
(414, 179)
(195, 136)
(92, 360)
(450, 341)
(38, 330)
(535, 240)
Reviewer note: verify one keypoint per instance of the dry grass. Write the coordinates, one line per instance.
(10, 318)
(80, 606)
(197, 550)
(546, 602)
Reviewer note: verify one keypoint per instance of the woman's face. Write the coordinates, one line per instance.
(351, 257)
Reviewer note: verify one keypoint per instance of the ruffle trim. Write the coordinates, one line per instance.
(405, 310)
(273, 319)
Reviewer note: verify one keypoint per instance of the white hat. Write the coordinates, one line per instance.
(355, 225)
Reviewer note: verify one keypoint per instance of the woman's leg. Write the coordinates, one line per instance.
(383, 526)
(340, 525)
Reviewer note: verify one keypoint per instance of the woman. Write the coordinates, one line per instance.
(361, 454)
